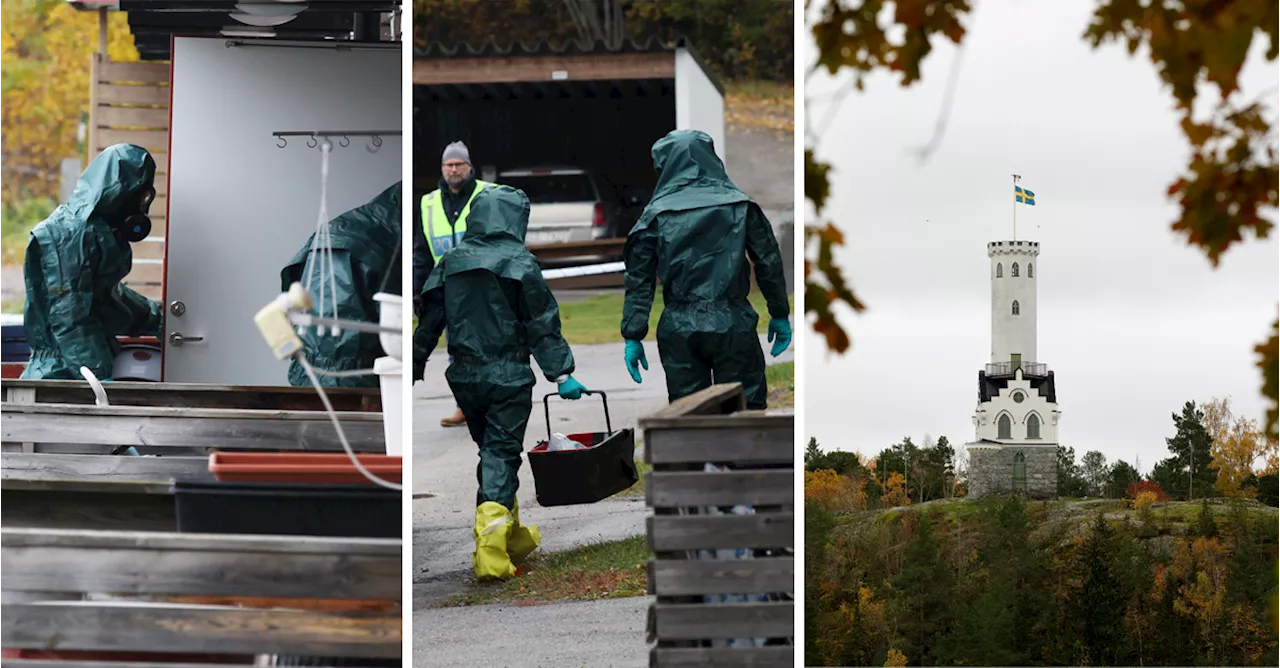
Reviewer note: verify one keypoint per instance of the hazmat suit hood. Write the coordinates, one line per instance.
(690, 174)
(75, 260)
(365, 242)
(111, 180)
(494, 239)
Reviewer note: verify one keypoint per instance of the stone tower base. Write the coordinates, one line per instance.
(991, 469)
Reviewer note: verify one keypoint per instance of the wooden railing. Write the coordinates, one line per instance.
(757, 449)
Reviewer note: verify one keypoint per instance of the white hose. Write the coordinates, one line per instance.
(342, 435)
(100, 397)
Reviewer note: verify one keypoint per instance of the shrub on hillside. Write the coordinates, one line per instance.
(1136, 488)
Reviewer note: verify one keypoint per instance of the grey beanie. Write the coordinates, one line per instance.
(456, 151)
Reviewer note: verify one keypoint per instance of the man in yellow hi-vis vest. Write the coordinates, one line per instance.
(441, 222)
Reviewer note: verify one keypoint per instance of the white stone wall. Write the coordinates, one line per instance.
(1013, 334)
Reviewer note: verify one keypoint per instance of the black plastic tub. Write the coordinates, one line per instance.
(606, 466)
(348, 511)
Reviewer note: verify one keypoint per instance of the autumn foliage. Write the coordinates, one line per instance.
(1136, 488)
(46, 50)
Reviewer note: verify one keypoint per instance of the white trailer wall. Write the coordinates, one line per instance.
(240, 206)
(699, 104)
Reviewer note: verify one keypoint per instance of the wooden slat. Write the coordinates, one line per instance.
(698, 621)
(16, 466)
(141, 95)
(162, 167)
(760, 440)
(144, 274)
(688, 577)
(87, 510)
(132, 117)
(152, 140)
(148, 250)
(782, 656)
(199, 395)
(188, 427)
(55, 663)
(178, 628)
(673, 533)
(579, 68)
(153, 292)
(135, 72)
(715, 400)
(197, 564)
(668, 489)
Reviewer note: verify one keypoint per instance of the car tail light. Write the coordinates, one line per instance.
(597, 216)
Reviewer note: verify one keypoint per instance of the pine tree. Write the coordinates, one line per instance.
(1189, 470)
(1100, 603)
(921, 589)
(1205, 526)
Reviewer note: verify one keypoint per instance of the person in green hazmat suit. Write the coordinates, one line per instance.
(366, 260)
(696, 236)
(75, 305)
(490, 292)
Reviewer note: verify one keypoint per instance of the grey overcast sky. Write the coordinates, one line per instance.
(1132, 320)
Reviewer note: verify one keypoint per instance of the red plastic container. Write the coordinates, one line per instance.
(307, 467)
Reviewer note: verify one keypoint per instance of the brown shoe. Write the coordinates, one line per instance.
(455, 420)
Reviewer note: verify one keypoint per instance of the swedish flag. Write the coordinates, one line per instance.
(1024, 196)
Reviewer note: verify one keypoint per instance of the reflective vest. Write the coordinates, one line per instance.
(435, 223)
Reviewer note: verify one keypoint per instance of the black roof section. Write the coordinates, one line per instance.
(154, 22)
(990, 386)
(515, 48)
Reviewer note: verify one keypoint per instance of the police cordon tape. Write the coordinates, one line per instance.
(587, 270)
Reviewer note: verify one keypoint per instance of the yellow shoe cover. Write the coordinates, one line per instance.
(524, 538)
(493, 525)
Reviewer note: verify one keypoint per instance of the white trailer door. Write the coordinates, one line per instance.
(699, 104)
(240, 206)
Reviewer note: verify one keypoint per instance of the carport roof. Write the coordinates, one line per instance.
(500, 54)
(154, 22)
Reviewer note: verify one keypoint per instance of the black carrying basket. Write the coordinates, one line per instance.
(585, 475)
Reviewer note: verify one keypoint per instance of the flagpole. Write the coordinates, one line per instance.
(1015, 208)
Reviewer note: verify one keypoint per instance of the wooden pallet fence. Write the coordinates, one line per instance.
(129, 104)
(129, 591)
(758, 451)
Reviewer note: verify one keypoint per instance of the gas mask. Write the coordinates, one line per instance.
(135, 225)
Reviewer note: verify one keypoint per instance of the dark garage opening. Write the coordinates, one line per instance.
(607, 127)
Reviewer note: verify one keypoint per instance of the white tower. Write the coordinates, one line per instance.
(1013, 301)
(1016, 421)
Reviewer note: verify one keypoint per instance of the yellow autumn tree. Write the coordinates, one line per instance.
(895, 658)
(1238, 442)
(47, 49)
(895, 491)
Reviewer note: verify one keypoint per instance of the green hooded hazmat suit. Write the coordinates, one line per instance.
(76, 258)
(696, 236)
(499, 311)
(366, 258)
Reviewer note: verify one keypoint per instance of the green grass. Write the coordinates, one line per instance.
(11, 306)
(609, 569)
(782, 384)
(599, 319)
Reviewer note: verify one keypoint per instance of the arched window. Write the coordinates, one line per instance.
(1016, 310)
(1031, 271)
(1033, 426)
(999, 270)
(1013, 271)
(1005, 425)
(1019, 473)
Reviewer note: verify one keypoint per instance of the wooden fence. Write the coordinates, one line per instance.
(129, 104)
(758, 450)
(230, 595)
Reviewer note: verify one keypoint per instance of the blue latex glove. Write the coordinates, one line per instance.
(634, 355)
(780, 334)
(572, 389)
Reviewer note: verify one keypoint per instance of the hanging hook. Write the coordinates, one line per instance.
(345, 142)
(283, 142)
(328, 145)
(311, 143)
(374, 144)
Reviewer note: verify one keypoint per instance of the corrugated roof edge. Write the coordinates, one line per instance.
(517, 48)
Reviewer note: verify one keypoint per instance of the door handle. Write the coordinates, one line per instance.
(178, 339)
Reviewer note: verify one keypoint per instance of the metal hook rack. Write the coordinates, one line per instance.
(314, 136)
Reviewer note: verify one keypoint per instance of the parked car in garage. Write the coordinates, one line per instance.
(567, 204)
